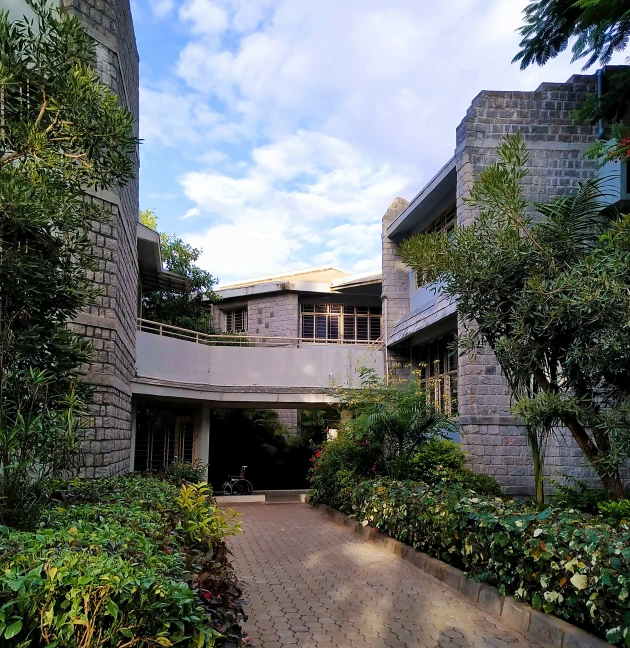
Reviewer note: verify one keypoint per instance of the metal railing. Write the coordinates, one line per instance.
(244, 340)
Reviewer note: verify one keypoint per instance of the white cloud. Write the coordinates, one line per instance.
(161, 8)
(307, 119)
(206, 16)
(329, 213)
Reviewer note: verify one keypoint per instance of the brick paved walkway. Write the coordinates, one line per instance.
(312, 583)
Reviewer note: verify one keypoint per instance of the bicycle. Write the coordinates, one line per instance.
(237, 484)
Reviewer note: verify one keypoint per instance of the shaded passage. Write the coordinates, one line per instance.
(310, 582)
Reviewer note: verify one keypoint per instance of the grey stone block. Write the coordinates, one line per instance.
(453, 576)
(576, 638)
(546, 628)
(417, 558)
(434, 568)
(515, 614)
(471, 589)
(490, 600)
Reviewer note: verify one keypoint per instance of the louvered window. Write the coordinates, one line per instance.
(236, 321)
(443, 224)
(340, 323)
(437, 366)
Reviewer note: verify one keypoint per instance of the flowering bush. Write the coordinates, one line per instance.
(564, 562)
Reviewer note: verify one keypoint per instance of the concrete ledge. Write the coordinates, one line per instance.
(545, 629)
(240, 499)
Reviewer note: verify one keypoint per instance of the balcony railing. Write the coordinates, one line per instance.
(244, 340)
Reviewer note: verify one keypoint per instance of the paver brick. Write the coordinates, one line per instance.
(313, 583)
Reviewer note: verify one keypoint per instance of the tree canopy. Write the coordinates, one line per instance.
(62, 132)
(190, 310)
(595, 30)
(550, 295)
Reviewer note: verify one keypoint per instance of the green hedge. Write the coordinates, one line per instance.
(110, 565)
(564, 562)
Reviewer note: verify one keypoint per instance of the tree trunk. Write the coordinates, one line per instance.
(611, 482)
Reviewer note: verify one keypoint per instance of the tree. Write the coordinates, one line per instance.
(189, 310)
(61, 131)
(597, 29)
(551, 298)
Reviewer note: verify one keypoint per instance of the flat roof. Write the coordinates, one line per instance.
(357, 280)
(152, 274)
(318, 271)
(437, 195)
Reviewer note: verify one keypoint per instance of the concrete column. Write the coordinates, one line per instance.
(395, 292)
(203, 444)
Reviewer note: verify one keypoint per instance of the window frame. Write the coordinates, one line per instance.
(230, 316)
(318, 321)
(445, 223)
(436, 365)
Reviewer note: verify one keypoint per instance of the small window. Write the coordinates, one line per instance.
(236, 321)
(443, 224)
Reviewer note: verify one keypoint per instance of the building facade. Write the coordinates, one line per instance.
(423, 323)
(292, 337)
(309, 306)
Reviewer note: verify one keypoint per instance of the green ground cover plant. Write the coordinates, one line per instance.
(122, 562)
(561, 561)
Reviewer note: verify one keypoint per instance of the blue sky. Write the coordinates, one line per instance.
(277, 132)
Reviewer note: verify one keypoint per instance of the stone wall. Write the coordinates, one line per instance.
(289, 417)
(496, 443)
(395, 292)
(276, 314)
(110, 324)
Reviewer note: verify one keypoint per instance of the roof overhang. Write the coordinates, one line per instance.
(152, 275)
(438, 195)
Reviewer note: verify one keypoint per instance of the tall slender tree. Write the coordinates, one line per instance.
(61, 131)
(551, 298)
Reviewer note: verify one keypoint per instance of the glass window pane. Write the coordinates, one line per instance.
(333, 328)
(308, 308)
(321, 308)
(375, 310)
(348, 327)
(375, 328)
(362, 328)
(335, 308)
(320, 327)
(348, 309)
(308, 326)
(362, 310)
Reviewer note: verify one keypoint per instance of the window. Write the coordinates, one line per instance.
(236, 321)
(341, 323)
(444, 223)
(437, 366)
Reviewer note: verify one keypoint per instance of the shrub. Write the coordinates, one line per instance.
(121, 561)
(340, 464)
(576, 494)
(435, 455)
(185, 471)
(481, 484)
(618, 510)
(202, 523)
(561, 561)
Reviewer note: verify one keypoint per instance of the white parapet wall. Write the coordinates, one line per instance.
(169, 362)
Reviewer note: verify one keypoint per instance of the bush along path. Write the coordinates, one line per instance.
(560, 561)
(125, 562)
